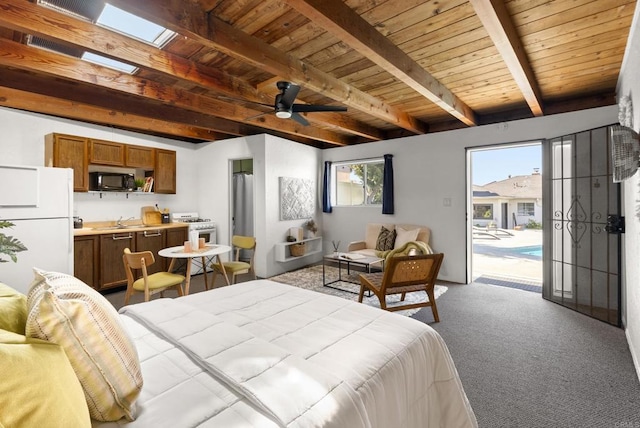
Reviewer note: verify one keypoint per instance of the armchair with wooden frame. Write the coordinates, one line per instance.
(237, 266)
(148, 284)
(402, 275)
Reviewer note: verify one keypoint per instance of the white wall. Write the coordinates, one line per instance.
(431, 168)
(273, 157)
(629, 85)
(23, 144)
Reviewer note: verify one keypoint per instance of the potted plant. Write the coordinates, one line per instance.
(139, 184)
(9, 245)
(311, 226)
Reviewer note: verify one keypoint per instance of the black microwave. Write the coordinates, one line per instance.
(111, 181)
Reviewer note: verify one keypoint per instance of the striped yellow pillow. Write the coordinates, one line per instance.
(66, 311)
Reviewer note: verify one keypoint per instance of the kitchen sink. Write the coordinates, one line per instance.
(132, 226)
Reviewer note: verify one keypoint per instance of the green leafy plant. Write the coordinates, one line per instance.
(532, 224)
(139, 182)
(9, 245)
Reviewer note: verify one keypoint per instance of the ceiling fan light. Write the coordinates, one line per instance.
(283, 114)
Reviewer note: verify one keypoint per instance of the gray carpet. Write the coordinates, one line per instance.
(526, 362)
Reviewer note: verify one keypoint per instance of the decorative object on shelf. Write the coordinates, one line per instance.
(9, 245)
(297, 232)
(311, 227)
(336, 247)
(291, 238)
(298, 250)
(148, 184)
(139, 184)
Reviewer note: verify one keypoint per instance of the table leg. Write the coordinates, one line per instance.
(204, 272)
(187, 280)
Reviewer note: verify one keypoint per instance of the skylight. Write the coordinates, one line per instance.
(112, 18)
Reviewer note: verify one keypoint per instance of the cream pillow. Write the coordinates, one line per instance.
(38, 387)
(66, 311)
(404, 236)
(13, 309)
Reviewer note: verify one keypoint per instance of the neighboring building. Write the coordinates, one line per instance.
(509, 203)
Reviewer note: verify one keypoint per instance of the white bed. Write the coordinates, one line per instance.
(265, 354)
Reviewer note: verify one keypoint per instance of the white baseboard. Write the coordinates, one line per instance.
(634, 357)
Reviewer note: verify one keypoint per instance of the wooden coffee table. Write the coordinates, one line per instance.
(348, 259)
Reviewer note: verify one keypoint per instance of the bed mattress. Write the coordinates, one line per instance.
(265, 354)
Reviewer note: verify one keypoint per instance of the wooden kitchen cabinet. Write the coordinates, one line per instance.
(68, 151)
(152, 240)
(164, 174)
(86, 259)
(140, 157)
(112, 245)
(106, 153)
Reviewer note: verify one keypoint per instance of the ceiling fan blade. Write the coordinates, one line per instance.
(256, 116)
(306, 108)
(298, 118)
(289, 94)
(240, 100)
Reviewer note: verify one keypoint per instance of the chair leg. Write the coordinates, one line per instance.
(434, 308)
(127, 295)
(402, 297)
(361, 295)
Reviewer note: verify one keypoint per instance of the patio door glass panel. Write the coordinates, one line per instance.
(582, 260)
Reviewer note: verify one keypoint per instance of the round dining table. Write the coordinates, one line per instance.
(207, 254)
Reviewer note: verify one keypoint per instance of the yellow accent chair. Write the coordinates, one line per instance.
(148, 284)
(237, 267)
(402, 275)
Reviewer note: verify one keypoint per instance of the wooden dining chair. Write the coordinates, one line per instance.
(148, 284)
(236, 266)
(402, 275)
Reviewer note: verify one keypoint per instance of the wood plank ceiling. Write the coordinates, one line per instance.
(400, 67)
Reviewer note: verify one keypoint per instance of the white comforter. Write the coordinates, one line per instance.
(265, 354)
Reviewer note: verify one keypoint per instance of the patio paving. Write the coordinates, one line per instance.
(504, 261)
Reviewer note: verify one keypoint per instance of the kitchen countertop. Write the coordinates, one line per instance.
(102, 228)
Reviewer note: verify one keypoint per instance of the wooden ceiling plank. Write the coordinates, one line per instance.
(233, 42)
(496, 20)
(348, 26)
(23, 57)
(31, 101)
(30, 18)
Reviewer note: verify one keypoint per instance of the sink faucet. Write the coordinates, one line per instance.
(119, 222)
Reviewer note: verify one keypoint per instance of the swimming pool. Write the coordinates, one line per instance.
(532, 250)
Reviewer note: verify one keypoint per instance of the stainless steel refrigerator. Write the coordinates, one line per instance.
(39, 202)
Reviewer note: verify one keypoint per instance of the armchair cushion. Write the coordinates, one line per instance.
(403, 236)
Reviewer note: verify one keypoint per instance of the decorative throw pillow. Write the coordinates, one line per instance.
(66, 311)
(39, 387)
(386, 238)
(403, 236)
(13, 309)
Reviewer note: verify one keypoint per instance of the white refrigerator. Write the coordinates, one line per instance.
(39, 202)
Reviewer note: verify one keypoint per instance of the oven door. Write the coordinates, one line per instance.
(209, 236)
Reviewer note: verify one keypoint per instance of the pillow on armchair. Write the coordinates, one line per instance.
(386, 239)
(403, 236)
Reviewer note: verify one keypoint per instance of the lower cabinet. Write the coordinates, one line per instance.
(86, 250)
(112, 273)
(98, 258)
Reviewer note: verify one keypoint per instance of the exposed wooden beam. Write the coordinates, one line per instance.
(106, 99)
(33, 102)
(496, 20)
(28, 58)
(349, 27)
(186, 18)
(21, 15)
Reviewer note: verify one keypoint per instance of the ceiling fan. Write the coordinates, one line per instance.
(625, 152)
(285, 108)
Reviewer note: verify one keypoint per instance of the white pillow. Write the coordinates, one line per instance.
(66, 311)
(404, 236)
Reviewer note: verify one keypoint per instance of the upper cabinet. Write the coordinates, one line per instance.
(79, 153)
(165, 171)
(140, 157)
(106, 153)
(68, 151)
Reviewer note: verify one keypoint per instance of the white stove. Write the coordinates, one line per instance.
(206, 229)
